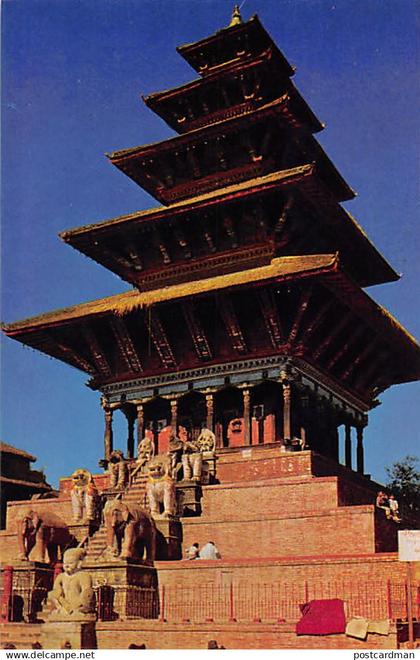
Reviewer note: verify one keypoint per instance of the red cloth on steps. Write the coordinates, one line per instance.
(322, 617)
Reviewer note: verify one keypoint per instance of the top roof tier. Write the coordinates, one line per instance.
(242, 69)
(239, 41)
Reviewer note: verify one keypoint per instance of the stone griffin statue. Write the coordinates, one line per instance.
(118, 471)
(84, 496)
(145, 453)
(42, 536)
(130, 532)
(160, 488)
(72, 596)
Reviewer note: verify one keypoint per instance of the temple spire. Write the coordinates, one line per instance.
(236, 17)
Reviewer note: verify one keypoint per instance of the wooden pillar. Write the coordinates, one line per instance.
(336, 445)
(108, 435)
(174, 415)
(247, 417)
(130, 432)
(210, 412)
(287, 430)
(347, 447)
(140, 423)
(360, 451)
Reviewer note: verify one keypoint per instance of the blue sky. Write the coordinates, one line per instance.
(73, 72)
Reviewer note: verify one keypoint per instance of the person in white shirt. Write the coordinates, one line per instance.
(209, 551)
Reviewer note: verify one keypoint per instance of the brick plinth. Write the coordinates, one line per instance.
(156, 635)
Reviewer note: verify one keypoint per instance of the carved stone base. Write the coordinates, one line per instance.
(124, 588)
(169, 538)
(32, 581)
(69, 634)
(189, 496)
(209, 468)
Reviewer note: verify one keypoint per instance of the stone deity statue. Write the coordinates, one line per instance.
(145, 453)
(72, 596)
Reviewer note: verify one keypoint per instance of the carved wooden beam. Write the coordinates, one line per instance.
(345, 347)
(345, 375)
(376, 366)
(334, 332)
(98, 355)
(271, 318)
(317, 320)
(160, 340)
(302, 307)
(182, 242)
(193, 162)
(77, 359)
(284, 216)
(198, 335)
(230, 320)
(149, 175)
(260, 218)
(160, 245)
(47, 344)
(134, 257)
(230, 230)
(101, 253)
(125, 344)
(208, 237)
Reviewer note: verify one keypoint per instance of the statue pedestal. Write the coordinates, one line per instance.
(69, 634)
(169, 538)
(32, 580)
(209, 468)
(189, 496)
(125, 588)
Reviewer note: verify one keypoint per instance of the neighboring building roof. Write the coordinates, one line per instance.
(36, 485)
(9, 449)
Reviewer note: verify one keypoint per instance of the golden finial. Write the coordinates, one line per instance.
(236, 17)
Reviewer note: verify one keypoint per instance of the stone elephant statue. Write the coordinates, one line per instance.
(42, 536)
(160, 488)
(130, 532)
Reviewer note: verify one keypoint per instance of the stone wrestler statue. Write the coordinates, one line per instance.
(72, 596)
(84, 496)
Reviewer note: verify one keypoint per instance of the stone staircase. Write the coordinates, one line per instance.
(133, 496)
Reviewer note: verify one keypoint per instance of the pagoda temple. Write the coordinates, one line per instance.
(247, 300)
(247, 317)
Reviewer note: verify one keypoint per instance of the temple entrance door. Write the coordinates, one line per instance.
(266, 412)
(192, 413)
(157, 415)
(229, 417)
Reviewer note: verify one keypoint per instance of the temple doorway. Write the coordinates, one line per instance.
(192, 413)
(229, 413)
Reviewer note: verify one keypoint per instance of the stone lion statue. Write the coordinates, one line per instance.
(84, 496)
(42, 536)
(160, 488)
(130, 532)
